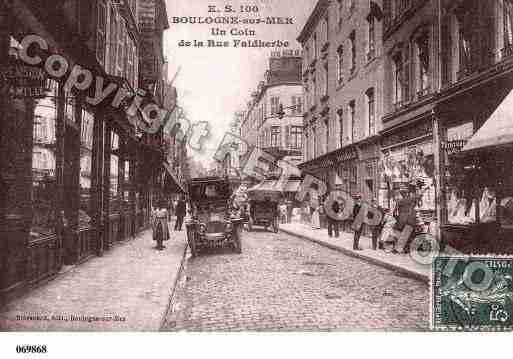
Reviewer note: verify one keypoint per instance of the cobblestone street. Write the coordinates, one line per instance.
(283, 283)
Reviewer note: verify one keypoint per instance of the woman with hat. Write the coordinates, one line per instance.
(160, 224)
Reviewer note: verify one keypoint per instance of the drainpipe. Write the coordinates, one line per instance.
(437, 129)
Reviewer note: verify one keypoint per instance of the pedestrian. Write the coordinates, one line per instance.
(316, 219)
(333, 224)
(290, 211)
(181, 211)
(160, 224)
(406, 215)
(377, 229)
(283, 212)
(357, 232)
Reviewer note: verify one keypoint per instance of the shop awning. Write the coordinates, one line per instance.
(497, 130)
(176, 185)
(276, 186)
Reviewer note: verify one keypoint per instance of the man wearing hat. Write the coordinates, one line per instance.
(357, 232)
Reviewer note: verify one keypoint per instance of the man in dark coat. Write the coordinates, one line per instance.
(181, 210)
(406, 214)
(358, 232)
(333, 224)
(377, 229)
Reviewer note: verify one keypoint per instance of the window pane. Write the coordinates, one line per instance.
(86, 152)
(43, 163)
(114, 175)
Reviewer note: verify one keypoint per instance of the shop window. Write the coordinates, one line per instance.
(44, 164)
(114, 201)
(86, 153)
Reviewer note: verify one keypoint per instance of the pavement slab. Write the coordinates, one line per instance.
(128, 289)
(398, 262)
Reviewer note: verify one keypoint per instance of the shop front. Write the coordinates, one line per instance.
(368, 171)
(408, 165)
(60, 173)
(478, 180)
(338, 170)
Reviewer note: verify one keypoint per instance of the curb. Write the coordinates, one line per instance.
(348, 252)
(173, 288)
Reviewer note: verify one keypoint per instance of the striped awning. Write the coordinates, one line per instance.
(497, 130)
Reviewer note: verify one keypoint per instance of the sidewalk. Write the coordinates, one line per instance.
(397, 262)
(133, 281)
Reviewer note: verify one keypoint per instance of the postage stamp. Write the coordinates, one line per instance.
(472, 294)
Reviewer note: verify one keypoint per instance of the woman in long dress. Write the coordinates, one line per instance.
(160, 224)
(316, 219)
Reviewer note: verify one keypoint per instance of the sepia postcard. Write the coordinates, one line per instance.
(256, 166)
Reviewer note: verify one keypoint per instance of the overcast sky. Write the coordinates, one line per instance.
(215, 82)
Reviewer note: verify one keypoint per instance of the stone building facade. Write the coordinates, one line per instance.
(343, 82)
(76, 177)
(281, 90)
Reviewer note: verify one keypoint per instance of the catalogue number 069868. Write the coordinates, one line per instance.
(31, 349)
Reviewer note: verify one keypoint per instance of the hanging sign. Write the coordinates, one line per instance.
(18, 80)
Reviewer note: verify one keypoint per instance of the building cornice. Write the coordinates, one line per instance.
(313, 20)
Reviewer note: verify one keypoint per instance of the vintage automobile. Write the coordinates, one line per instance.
(213, 223)
(263, 207)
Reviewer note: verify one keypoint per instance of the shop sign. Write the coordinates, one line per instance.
(347, 155)
(454, 146)
(422, 129)
(22, 81)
